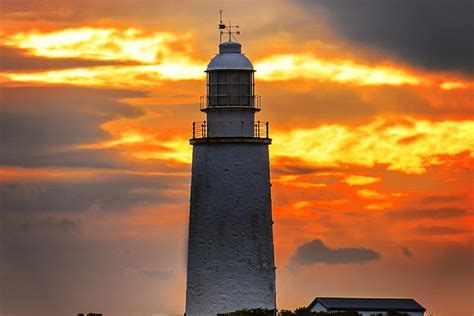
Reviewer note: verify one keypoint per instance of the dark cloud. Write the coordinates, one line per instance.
(436, 34)
(109, 193)
(48, 157)
(443, 212)
(16, 60)
(315, 251)
(48, 268)
(440, 230)
(407, 252)
(323, 103)
(63, 226)
(292, 166)
(41, 125)
(335, 103)
(434, 199)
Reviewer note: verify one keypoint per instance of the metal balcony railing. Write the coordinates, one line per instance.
(220, 101)
(261, 130)
(199, 129)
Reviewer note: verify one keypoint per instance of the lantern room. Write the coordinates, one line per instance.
(230, 78)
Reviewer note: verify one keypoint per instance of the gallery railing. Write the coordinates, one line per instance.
(199, 129)
(217, 101)
(261, 130)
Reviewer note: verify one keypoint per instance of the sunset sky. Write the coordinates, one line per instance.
(370, 105)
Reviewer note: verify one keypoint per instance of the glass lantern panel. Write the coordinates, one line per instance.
(222, 89)
(234, 77)
(211, 77)
(213, 89)
(234, 100)
(245, 89)
(234, 89)
(222, 101)
(245, 77)
(245, 101)
(222, 77)
(212, 101)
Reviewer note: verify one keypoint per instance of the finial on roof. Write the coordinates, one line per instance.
(228, 29)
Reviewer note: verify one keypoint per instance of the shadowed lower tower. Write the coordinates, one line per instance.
(230, 247)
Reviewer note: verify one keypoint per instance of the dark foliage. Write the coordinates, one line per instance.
(347, 313)
(251, 312)
(391, 313)
(302, 311)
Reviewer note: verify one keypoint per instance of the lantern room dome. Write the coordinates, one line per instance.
(230, 57)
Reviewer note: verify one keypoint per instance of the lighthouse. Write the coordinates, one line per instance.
(230, 263)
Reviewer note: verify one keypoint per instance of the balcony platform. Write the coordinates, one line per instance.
(219, 140)
(205, 105)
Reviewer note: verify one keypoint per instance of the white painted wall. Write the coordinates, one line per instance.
(318, 308)
(230, 247)
(236, 122)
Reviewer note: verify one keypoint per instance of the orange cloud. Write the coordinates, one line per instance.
(144, 145)
(391, 142)
(299, 182)
(177, 150)
(184, 68)
(378, 142)
(360, 180)
(102, 44)
(292, 66)
(115, 76)
(378, 200)
(161, 56)
(128, 137)
(169, 56)
(370, 194)
(450, 85)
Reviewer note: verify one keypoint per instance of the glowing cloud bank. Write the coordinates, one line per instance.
(406, 145)
(156, 56)
(285, 67)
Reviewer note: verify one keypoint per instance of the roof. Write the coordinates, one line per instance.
(230, 47)
(368, 304)
(230, 57)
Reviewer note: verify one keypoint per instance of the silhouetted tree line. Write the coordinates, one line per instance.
(391, 314)
(302, 311)
(251, 312)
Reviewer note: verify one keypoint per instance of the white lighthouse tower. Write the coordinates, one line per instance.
(230, 247)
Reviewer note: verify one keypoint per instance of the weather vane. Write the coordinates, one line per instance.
(227, 29)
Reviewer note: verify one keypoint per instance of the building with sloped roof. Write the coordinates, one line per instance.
(367, 306)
